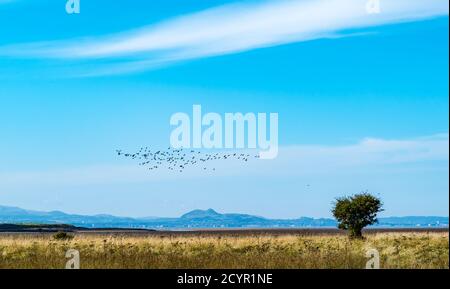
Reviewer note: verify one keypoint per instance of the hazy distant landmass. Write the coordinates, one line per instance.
(199, 219)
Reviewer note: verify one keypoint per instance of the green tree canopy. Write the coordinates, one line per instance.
(356, 212)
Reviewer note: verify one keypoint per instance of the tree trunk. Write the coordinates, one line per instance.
(356, 233)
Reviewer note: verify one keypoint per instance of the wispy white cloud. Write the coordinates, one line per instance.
(297, 161)
(6, 1)
(230, 29)
(372, 152)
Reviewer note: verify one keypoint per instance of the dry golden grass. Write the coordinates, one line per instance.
(397, 250)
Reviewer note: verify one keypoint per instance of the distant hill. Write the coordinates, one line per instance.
(18, 215)
(197, 219)
(199, 214)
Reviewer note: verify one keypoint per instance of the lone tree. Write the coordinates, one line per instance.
(356, 212)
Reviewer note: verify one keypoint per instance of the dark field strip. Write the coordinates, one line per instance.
(224, 232)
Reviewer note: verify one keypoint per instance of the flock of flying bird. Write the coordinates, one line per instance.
(180, 159)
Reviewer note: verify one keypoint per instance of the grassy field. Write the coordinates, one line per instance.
(397, 250)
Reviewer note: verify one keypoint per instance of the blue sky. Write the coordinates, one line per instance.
(362, 101)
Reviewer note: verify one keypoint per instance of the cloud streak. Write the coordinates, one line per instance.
(230, 29)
